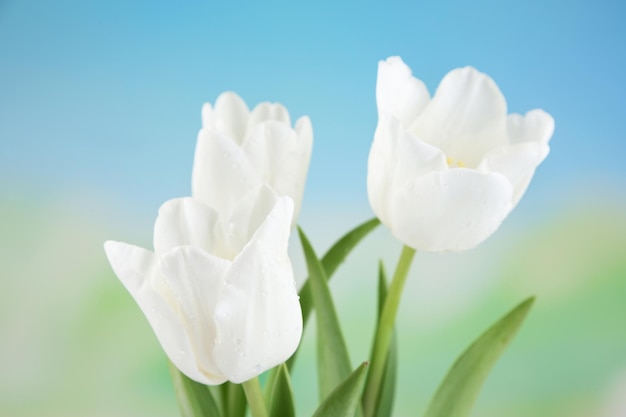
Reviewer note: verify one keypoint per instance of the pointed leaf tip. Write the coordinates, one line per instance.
(458, 391)
(344, 400)
(331, 261)
(281, 403)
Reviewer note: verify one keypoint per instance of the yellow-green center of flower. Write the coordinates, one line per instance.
(455, 163)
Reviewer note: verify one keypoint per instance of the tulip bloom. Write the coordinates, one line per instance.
(239, 150)
(445, 172)
(222, 308)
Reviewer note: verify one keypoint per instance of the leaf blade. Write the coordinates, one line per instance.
(233, 400)
(194, 399)
(281, 402)
(333, 360)
(344, 400)
(330, 262)
(458, 391)
(384, 404)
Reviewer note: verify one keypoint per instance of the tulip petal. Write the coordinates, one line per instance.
(187, 221)
(398, 93)
(247, 215)
(535, 126)
(230, 116)
(450, 210)
(465, 118)
(196, 279)
(280, 157)
(258, 316)
(266, 111)
(517, 163)
(380, 167)
(137, 269)
(304, 130)
(388, 172)
(208, 116)
(221, 172)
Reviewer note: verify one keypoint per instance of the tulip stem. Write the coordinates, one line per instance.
(384, 333)
(254, 395)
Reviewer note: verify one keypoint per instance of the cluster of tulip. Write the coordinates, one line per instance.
(219, 289)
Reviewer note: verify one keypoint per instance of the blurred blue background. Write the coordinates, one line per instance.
(99, 112)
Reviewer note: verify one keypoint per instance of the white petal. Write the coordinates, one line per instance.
(396, 158)
(450, 210)
(208, 116)
(304, 130)
(465, 118)
(268, 111)
(398, 93)
(258, 316)
(535, 126)
(187, 221)
(247, 215)
(517, 163)
(137, 269)
(280, 157)
(196, 280)
(221, 172)
(380, 167)
(231, 116)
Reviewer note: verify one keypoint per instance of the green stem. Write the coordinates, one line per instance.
(384, 332)
(254, 395)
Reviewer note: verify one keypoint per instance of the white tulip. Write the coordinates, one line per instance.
(220, 299)
(238, 150)
(444, 172)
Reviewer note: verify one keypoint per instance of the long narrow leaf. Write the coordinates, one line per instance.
(269, 384)
(281, 403)
(330, 262)
(459, 390)
(333, 363)
(384, 405)
(344, 399)
(233, 400)
(194, 399)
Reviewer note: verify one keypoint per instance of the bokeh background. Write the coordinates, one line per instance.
(99, 110)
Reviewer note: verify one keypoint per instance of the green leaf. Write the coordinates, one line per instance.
(384, 333)
(194, 399)
(333, 364)
(459, 390)
(269, 384)
(233, 400)
(330, 262)
(281, 402)
(384, 404)
(343, 400)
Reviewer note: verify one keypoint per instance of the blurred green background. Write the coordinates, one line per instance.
(99, 110)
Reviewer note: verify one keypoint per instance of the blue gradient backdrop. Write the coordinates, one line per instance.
(107, 95)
